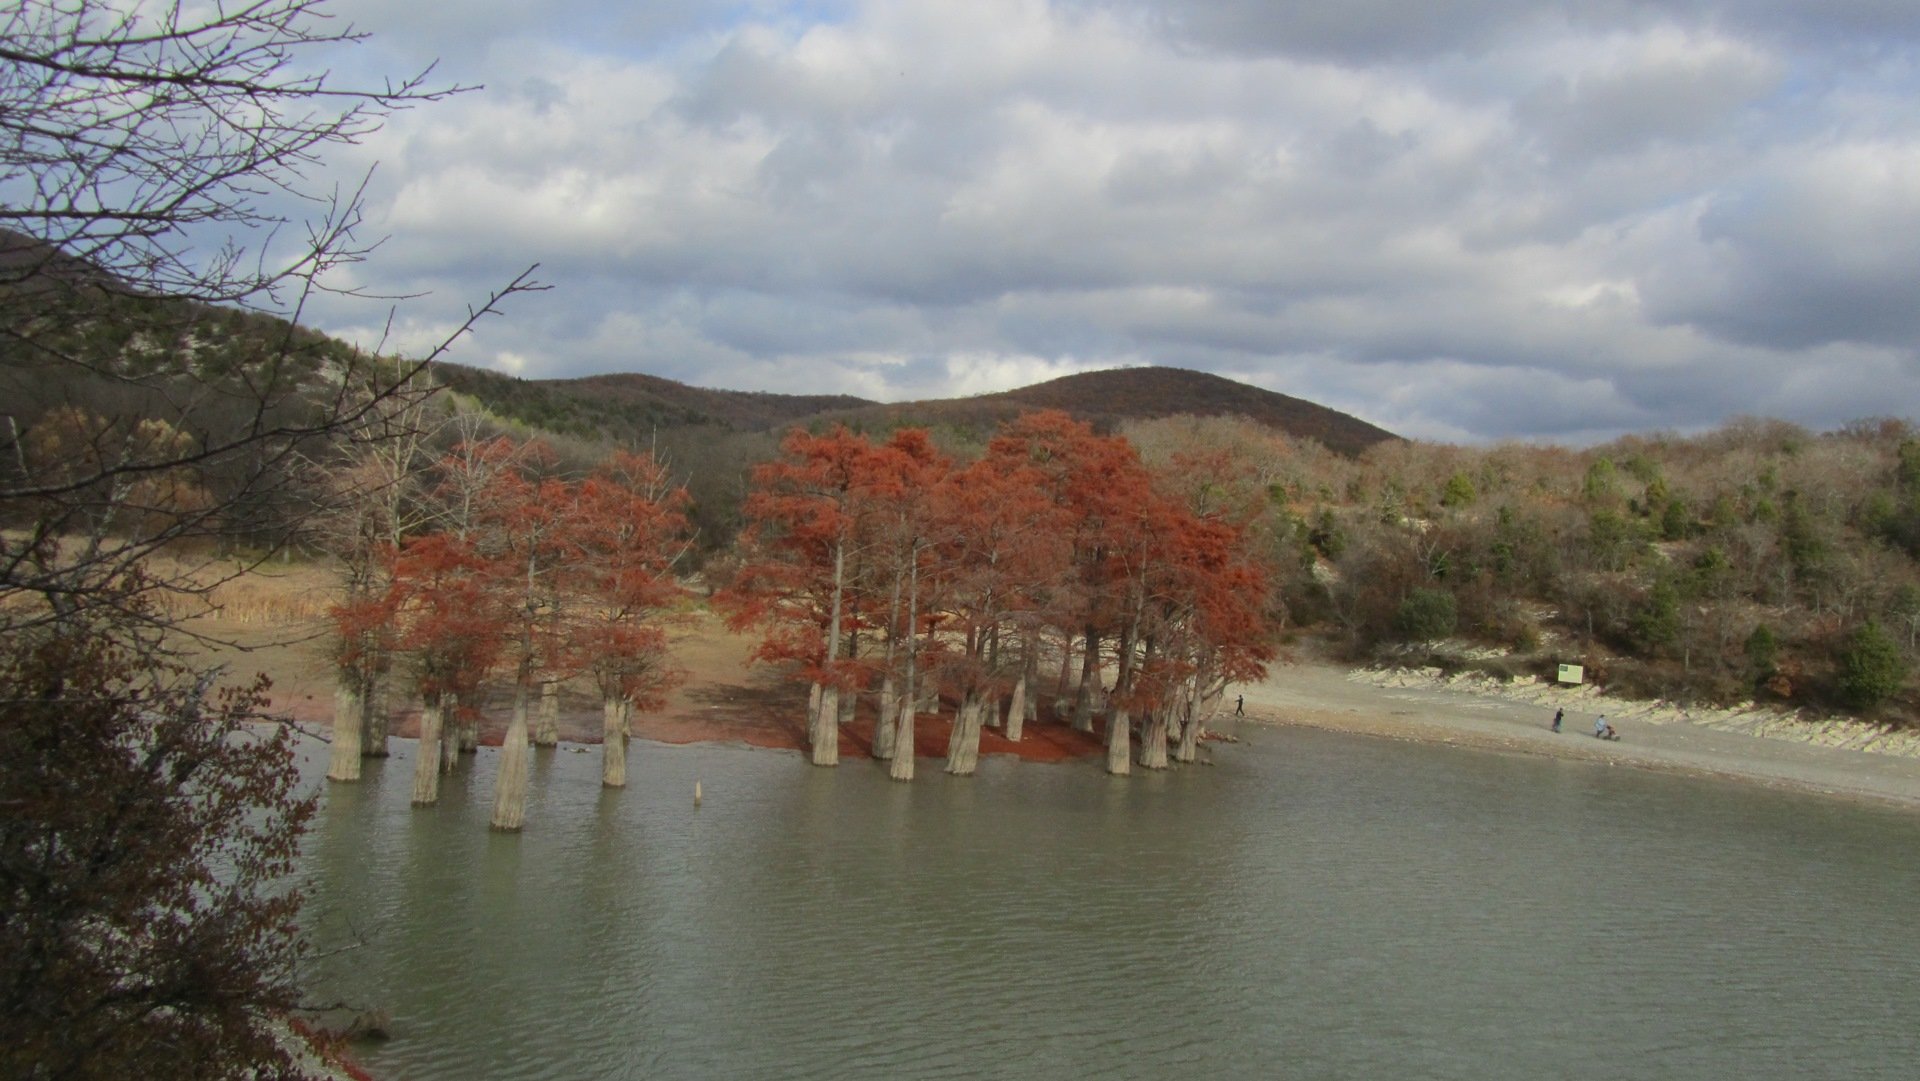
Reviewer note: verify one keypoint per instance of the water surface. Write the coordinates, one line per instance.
(1313, 905)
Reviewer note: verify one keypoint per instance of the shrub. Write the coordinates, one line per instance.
(1871, 668)
(1426, 615)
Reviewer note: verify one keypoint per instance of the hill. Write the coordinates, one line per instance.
(1104, 398)
(622, 406)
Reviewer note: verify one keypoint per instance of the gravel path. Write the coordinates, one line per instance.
(1410, 706)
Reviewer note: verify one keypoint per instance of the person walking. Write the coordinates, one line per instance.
(1558, 716)
(1239, 705)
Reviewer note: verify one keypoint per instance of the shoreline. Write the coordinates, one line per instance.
(728, 699)
(1412, 707)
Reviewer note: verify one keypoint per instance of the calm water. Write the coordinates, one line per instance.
(1312, 906)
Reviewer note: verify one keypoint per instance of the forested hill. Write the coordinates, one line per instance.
(1150, 393)
(622, 406)
(627, 405)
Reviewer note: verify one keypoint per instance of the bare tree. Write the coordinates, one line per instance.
(158, 211)
(152, 161)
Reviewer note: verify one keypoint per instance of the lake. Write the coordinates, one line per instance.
(1312, 905)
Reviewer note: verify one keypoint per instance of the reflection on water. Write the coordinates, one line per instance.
(1313, 905)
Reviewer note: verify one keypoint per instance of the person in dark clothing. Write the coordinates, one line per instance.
(1240, 705)
(1558, 716)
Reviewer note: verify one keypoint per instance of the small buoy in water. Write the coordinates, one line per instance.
(696, 793)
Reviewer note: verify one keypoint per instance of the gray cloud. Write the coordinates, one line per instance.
(1470, 221)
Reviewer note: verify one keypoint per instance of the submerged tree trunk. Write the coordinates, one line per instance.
(826, 727)
(1119, 742)
(426, 764)
(376, 717)
(510, 784)
(883, 733)
(548, 732)
(1119, 722)
(963, 747)
(889, 697)
(465, 740)
(343, 764)
(826, 741)
(814, 692)
(1087, 702)
(1017, 709)
(1153, 739)
(1189, 746)
(455, 733)
(613, 741)
(901, 768)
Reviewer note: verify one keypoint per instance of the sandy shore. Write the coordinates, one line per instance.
(1419, 707)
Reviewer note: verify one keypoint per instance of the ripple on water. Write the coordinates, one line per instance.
(1313, 906)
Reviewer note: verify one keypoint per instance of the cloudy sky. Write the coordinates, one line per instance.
(1467, 220)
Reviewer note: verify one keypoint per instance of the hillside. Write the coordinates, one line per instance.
(621, 406)
(1104, 398)
(1148, 393)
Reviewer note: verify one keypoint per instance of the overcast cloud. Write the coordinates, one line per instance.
(1464, 221)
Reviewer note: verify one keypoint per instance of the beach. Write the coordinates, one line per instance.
(1516, 718)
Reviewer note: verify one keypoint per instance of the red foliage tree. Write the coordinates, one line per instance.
(628, 528)
(449, 622)
(1004, 543)
(803, 518)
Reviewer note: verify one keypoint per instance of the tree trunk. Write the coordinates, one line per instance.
(1017, 709)
(613, 741)
(426, 764)
(883, 733)
(1189, 748)
(1119, 742)
(548, 733)
(826, 730)
(1119, 723)
(455, 733)
(901, 768)
(1153, 739)
(850, 699)
(826, 740)
(813, 712)
(1087, 702)
(1064, 688)
(468, 741)
(343, 764)
(510, 784)
(376, 717)
(1031, 714)
(963, 748)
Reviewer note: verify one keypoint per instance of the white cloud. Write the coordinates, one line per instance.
(1474, 219)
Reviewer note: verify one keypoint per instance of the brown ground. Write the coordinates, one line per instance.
(724, 699)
